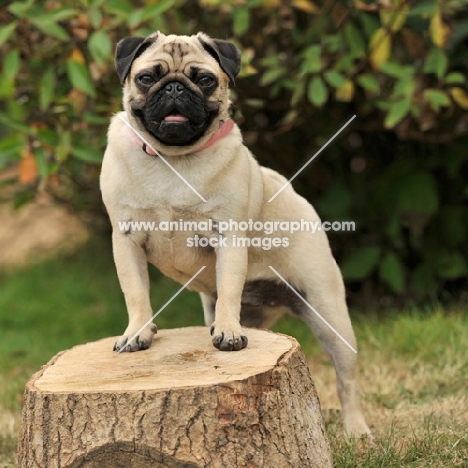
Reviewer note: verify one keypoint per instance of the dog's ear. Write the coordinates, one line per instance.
(225, 52)
(128, 49)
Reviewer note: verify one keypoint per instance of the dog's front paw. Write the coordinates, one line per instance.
(228, 338)
(128, 342)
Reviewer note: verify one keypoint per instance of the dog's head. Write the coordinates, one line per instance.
(177, 87)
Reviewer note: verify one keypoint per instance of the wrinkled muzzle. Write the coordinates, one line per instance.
(175, 115)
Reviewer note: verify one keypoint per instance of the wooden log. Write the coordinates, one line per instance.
(179, 404)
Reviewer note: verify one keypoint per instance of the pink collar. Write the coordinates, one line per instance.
(222, 131)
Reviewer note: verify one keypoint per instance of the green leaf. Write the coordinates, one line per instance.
(100, 46)
(424, 8)
(50, 28)
(59, 15)
(20, 8)
(313, 59)
(11, 65)
(79, 77)
(394, 19)
(436, 62)
(255, 103)
(396, 70)
(360, 264)
(271, 76)
(6, 32)
(145, 31)
(417, 193)
(10, 149)
(155, 10)
(47, 136)
(47, 88)
(255, 3)
(95, 118)
(335, 79)
(7, 88)
(298, 93)
(455, 78)
(95, 17)
(397, 112)
(355, 41)
(241, 20)
(392, 272)
(41, 161)
(345, 63)
(121, 8)
(383, 105)
(451, 265)
(87, 154)
(271, 61)
(64, 145)
(317, 91)
(394, 229)
(333, 42)
(15, 125)
(404, 87)
(370, 23)
(437, 98)
(95, 3)
(369, 83)
(289, 118)
(135, 18)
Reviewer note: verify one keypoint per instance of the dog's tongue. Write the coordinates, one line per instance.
(175, 118)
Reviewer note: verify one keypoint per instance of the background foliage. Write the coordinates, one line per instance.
(399, 170)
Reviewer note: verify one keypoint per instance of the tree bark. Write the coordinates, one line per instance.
(179, 404)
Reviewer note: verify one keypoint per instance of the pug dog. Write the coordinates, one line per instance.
(174, 154)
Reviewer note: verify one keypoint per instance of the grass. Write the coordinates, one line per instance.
(414, 374)
(413, 367)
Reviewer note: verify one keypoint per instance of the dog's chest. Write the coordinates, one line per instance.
(178, 243)
(161, 193)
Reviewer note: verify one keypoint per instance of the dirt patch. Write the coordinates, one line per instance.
(37, 231)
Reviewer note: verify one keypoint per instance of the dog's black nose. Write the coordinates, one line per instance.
(174, 89)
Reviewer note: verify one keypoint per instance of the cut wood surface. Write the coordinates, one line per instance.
(180, 404)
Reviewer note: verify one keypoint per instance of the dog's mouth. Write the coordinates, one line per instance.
(173, 127)
(176, 121)
(174, 117)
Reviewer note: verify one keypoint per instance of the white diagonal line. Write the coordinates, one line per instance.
(159, 154)
(313, 310)
(312, 158)
(162, 308)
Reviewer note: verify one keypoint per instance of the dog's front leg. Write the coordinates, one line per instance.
(132, 270)
(231, 270)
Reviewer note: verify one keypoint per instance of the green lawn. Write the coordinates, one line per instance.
(413, 365)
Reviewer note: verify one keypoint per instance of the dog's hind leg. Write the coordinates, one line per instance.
(252, 315)
(209, 303)
(325, 293)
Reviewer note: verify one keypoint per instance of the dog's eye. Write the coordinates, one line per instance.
(206, 81)
(145, 80)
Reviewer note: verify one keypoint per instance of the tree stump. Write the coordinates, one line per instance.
(179, 404)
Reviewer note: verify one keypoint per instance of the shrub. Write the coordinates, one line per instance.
(398, 170)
